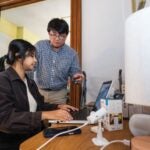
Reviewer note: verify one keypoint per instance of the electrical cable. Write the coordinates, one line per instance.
(125, 142)
(39, 148)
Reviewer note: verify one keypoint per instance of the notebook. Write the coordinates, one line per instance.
(81, 115)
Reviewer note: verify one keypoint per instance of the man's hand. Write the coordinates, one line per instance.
(78, 77)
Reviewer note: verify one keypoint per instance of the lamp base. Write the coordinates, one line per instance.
(95, 129)
(100, 141)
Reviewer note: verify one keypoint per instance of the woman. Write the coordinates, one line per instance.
(22, 108)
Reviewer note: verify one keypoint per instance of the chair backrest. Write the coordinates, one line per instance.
(77, 94)
(83, 91)
(2, 63)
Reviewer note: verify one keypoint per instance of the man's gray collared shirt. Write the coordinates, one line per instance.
(54, 68)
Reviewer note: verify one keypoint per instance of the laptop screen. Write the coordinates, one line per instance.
(103, 93)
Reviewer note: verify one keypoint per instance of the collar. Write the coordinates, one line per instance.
(59, 49)
(13, 74)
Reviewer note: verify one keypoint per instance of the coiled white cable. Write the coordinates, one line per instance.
(125, 142)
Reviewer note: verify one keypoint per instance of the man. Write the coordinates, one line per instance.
(56, 62)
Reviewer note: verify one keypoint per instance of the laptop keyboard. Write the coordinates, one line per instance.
(79, 117)
(81, 114)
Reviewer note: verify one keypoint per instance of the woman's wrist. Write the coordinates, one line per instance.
(59, 106)
(44, 115)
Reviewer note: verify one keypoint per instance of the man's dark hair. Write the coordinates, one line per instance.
(58, 25)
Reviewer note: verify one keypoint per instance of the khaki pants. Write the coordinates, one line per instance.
(55, 97)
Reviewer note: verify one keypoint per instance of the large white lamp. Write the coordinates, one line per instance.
(137, 68)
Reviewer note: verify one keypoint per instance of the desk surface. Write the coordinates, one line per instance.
(78, 142)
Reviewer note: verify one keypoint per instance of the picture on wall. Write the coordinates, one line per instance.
(138, 4)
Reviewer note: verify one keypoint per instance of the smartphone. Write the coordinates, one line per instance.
(50, 132)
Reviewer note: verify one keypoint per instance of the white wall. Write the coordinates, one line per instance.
(4, 41)
(103, 41)
(35, 18)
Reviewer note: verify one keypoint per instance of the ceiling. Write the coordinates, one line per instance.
(6, 4)
(36, 16)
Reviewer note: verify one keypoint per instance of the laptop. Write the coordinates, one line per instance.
(80, 116)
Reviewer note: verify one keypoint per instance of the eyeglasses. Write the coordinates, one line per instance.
(59, 36)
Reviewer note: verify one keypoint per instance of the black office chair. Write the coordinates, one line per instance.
(2, 63)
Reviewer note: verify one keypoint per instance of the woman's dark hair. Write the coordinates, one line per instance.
(19, 48)
(58, 25)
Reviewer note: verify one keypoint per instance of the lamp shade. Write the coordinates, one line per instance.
(137, 58)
